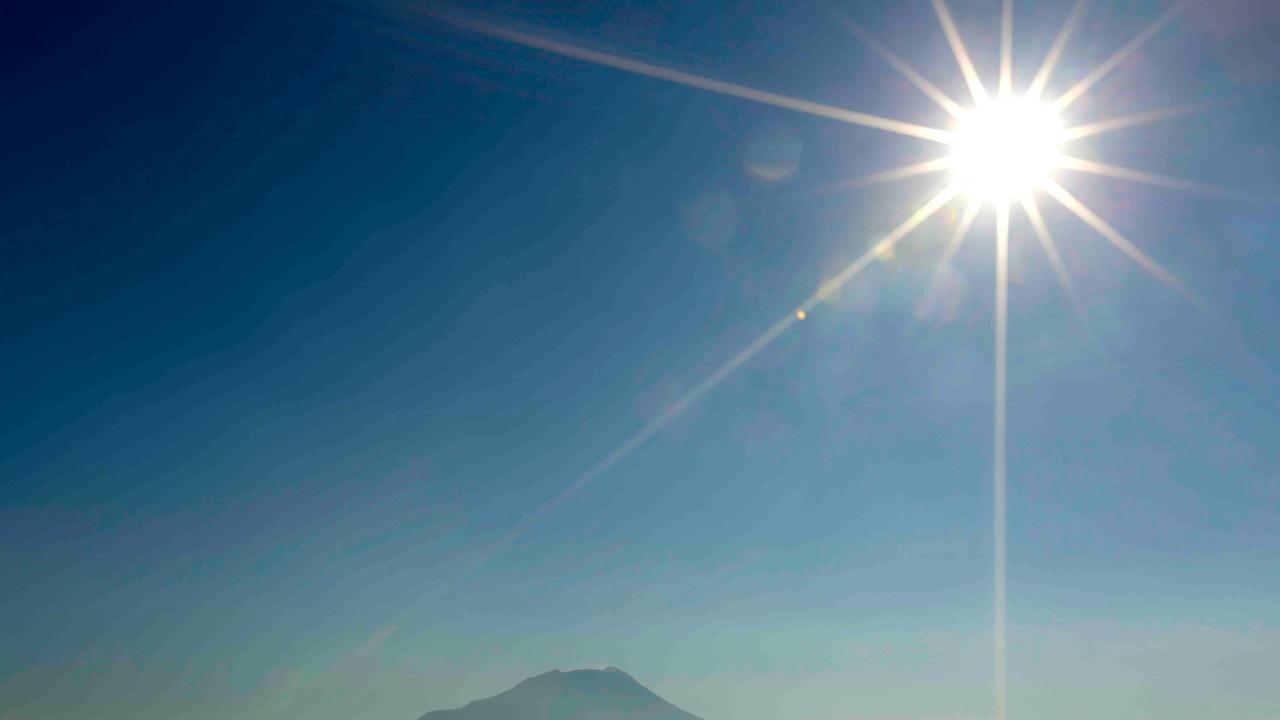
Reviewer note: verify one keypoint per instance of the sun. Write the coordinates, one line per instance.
(1006, 148)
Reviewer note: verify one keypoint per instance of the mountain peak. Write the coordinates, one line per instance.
(608, 694)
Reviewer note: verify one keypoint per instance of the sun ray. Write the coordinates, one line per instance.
(1001, 477)
(1055, 51)
(1127, 121)
(700, 82)
(1006, 48)
(679, 407)
(949, 251)
(1120, 56)
(1003, 89)
(926, 211)
(1032, 208)
(957, 48)
(1118, 172)
(961, 231)
(904, 172)
(1121, 243)
(943, 100)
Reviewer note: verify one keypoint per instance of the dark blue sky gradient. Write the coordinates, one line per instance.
(306, 305)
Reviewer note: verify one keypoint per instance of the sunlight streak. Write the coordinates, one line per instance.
(1032, 209)
(926, 211)
(1001, 478)
(1006, 49)
(1055, 51)
(903, 172)
(1003, 147)
(1120, 56)
(943, 100)
(962, 230)
(1118, 172)
(678, 77)
(1122, 244)
(679, 407)
(1128, 121)
(949, 252)
(957, 48)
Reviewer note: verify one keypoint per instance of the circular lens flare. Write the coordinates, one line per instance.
(1005, 148)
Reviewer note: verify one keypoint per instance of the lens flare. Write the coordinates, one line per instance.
(1004, 151)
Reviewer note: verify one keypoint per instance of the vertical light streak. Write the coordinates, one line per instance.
(1006, 49)
(1001, 383)
(957, 48)
(1055, 51)
(678, 77)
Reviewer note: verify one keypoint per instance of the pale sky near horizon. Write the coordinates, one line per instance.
(312, 309)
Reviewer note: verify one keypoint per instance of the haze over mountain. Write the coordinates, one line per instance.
(608, 694)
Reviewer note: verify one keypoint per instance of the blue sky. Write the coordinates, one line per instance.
(306, 307)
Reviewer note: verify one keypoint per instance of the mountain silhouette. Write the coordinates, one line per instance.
(608, 694)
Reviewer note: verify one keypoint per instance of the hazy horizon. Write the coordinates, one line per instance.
(318, 317)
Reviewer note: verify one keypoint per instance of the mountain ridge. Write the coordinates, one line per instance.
(608, 694)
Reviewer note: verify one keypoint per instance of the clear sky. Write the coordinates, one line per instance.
(306, 306)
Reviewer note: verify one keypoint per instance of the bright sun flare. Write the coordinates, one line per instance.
(1006, 148)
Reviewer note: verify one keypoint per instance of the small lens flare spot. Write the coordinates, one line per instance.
(800, 314)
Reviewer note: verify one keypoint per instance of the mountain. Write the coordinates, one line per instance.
(608, 694)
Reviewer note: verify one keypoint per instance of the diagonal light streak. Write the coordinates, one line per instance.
(962, 229)
(700, 82)
(904, 172)
(850, 271)
(1123, 173)
(826, 289)
(712, 381)
(1120, 56)
(1001, 310)
(957, 48)
(1119, 241)
(1001, 477)
(943, 100)
(1032, 209)
(949, 251)
(1055, 51)
(1006, 48)
(1128, 121)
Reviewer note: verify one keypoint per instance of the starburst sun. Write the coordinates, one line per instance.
(1004, 149)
